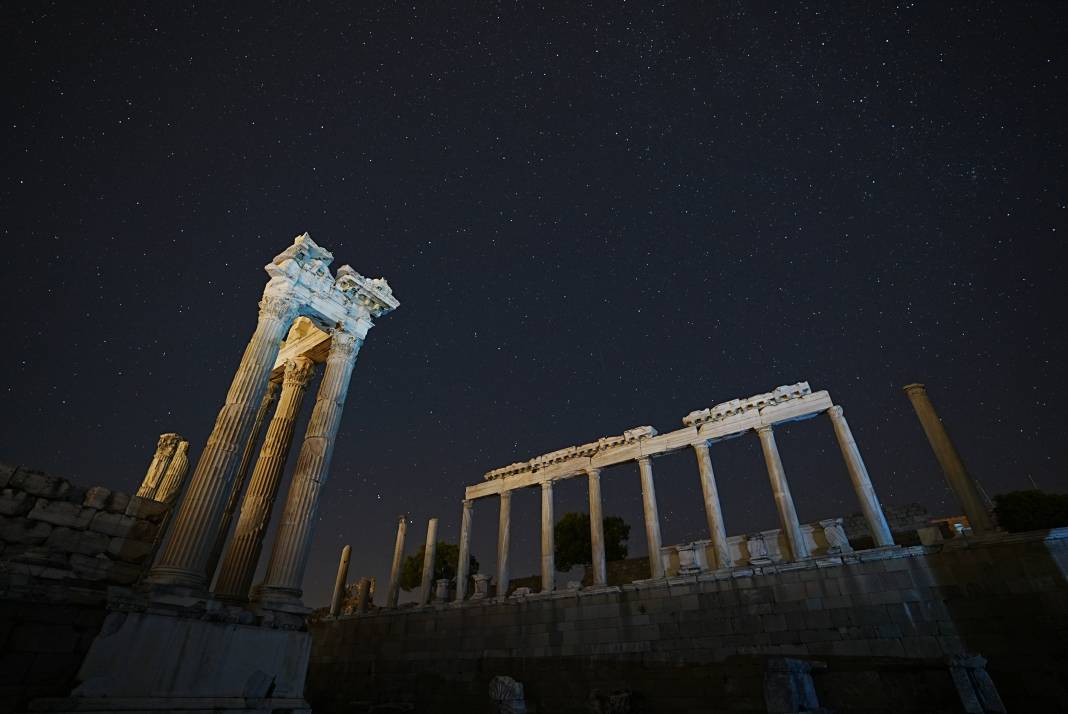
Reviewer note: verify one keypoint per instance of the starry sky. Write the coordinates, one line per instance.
(595, 217)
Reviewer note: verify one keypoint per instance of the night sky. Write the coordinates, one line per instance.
(594, 218)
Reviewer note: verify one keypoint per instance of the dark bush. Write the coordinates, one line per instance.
(1031, 510)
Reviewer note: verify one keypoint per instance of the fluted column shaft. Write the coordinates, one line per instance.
(171, 485)
(949, 459)
(600, 575)
(184, 561)
(157, 468)
(398, 560)
(713, 511)
(243, 552)
(464, 558)
(339, 582)
(784, 502)
(289, 556)
(430, 551)
(858, 474)
(241, 476)
(652, 517)
(504, 529)
(548, 552)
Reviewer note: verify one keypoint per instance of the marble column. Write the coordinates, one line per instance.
(952, 466)
(363, 595)
(463, 560)
(858, 474)
(430, 551)
(243, 552)
(171, 485)
(184, 560)
(165, 449)
(289, 556)
(784, 502)
(600, 575)
(242, 475)
(398, 561)
(339, 582)
(713, 511)
(652, 517)
(504, 526)
(548, 548)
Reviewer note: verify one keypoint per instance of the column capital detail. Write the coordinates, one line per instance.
(766, 429)
(298, 371)
(168, 440)
(468, 502)
(343, 345)
(645, 460)
(279, 307)
(594, 471)
(836, 412)
(701, 445)
(546, 485)
(914, 387)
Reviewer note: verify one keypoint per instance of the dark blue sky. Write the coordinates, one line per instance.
(594, 217)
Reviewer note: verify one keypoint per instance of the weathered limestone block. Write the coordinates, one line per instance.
(130, 551)
(146, 509)
(39, 483)
(61, 513)
(96, 497)
(69, 540)
(15, 503)
(22, 531)
(103, 568)
(122, 526)
(118, 502)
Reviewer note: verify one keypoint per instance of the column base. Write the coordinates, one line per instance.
(285, 600)
(177, 577)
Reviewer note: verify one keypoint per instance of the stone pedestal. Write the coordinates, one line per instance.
(481, 586)
(441, 590)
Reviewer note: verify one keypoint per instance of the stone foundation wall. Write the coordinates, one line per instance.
(61, 547)
(886, 626)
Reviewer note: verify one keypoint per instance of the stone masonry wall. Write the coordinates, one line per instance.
(61, 547)
(886, 625)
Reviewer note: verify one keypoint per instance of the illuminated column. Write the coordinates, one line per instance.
(952, 466)
(429, 554)
(339, 583)
(171, 485)
(652, 517)
(464, 558)
(600, 576)
(713, 512)
(503, 531)
(548, 555)
(184, 560)
(784, 502)
(243, 553)
(165, 448)
(858, 474)
(289, 556)
(398, 560)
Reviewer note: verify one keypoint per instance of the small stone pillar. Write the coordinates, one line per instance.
(504, 526)
(463, 560)
(652, 517)
(363, 595)
(441, 590)
(858, 474)
(481, 586)
(548, 547)
(600, 575)
(952, 465)
(398, 560)
(171, 485)
(713, 511)
(165, 450)
(784, 502)
(339, 582)
(429, 553)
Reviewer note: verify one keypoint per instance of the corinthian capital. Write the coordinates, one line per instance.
(835, 412)
(298, 371)
(278, 307)
(343, 345)
(167, 441)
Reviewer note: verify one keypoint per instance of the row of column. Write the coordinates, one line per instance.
(195, 543)
(791, 525)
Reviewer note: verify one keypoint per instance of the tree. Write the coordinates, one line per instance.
(573, 546)
(445, 559)
(1031, 510)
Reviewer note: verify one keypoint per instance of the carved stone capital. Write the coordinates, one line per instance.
(298, 371)
(343, 345)
(168, 441)
(915, 388)
(766, 429)
(278, 307)
(835, 412)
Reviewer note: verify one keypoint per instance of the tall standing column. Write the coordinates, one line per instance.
(289, 556)
(463, 560)
(430, 551)
(548, 553)
(165, 449)
(784, 502)
(652, 517)
(713, 511)
(243, 553)
(858, 474)
(398, 560)
(600, 576)
(504, 527)
(171, 485)
(952, 466)
(184, 561)
(339, 582)
(242, 474)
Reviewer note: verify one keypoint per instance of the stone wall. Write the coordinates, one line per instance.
(61, 547)
(886, 630)
(904, 521)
